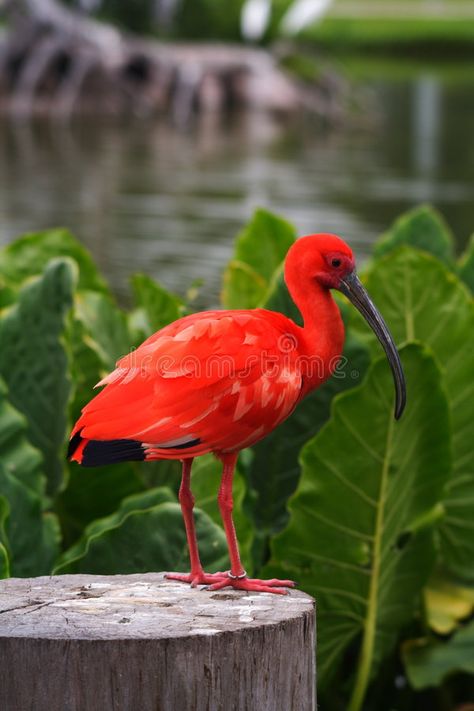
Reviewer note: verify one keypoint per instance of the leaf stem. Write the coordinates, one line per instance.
(370, 625)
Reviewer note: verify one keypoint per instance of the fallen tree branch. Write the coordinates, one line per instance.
(56, 60)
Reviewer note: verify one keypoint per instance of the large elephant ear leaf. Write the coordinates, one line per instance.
(29, 536)
(29, 255)
(105, 325)
(466, 265)
(429, 661)
(423, 228)
(155, 307)
(259, 251)
(33, 535)
(75, 555)
(4, 563)
(278, 297)
(447, 603)
(361, 519)
(423, 300)
(4, 557)
(144, 540)
(33, 361)
(18, 456)
(93, 493)
(86, 365)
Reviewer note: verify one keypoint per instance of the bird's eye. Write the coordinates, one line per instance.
(336, 263)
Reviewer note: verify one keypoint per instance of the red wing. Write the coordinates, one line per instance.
(214, 381)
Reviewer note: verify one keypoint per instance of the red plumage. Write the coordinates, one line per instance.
(225, 378)
(219, 381)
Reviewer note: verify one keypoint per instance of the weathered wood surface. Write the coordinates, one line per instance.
(140, 642)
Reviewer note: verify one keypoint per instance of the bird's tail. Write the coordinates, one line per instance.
(95, 452)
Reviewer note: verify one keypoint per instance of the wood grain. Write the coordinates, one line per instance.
(143, 643)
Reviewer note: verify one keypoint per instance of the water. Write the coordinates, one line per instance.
(149, 197)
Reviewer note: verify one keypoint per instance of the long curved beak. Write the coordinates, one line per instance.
(352, 287)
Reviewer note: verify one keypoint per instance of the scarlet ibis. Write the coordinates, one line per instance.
(219, 381)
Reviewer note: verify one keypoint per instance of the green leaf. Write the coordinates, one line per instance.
(94, 492)
(259, 251)
(34, 364)
(7, 294)
(161, 472)
(360, 533)
(421, 299)
(4, 557)
(33, 535)
(155, 307)
(278, 298)
(4, 563)
(4, 513)
(206, 479)
(146, 539)
(130, 504)
(17, 455)
(429, 661)
(466, 265)
(86, 365)
(423, 228)
(446, 603)
(105, 325)
(28, 256)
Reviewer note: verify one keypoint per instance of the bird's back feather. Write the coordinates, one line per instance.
(214, 381)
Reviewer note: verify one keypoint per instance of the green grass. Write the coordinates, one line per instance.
(396, 23)
(362, 66)
(401, 32)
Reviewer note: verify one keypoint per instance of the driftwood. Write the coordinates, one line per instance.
(139, 642)
(57, 61)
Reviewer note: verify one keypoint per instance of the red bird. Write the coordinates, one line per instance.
(219, 381)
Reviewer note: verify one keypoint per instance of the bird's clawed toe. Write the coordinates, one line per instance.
(254, 585)
(196, 578)
(279, 583)
(217, 581)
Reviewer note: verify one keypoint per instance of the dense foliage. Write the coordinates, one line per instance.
(381, 26)
(373, 517)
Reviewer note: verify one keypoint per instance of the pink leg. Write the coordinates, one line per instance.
(237, 577)
(197, 576)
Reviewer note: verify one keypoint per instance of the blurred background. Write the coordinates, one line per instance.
(131, 123)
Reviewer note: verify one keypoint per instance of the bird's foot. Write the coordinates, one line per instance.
(273, 585)
(198, 577)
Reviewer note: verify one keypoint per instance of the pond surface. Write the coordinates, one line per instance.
(149, 197)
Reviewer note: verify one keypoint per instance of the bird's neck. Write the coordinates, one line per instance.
(322, 335)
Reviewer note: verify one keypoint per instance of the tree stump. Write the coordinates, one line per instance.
(143, 643)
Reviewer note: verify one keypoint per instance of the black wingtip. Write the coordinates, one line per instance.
(74, 443)
(98, 452)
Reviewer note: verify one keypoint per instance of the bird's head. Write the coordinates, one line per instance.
(321, 258)
(325, 260)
